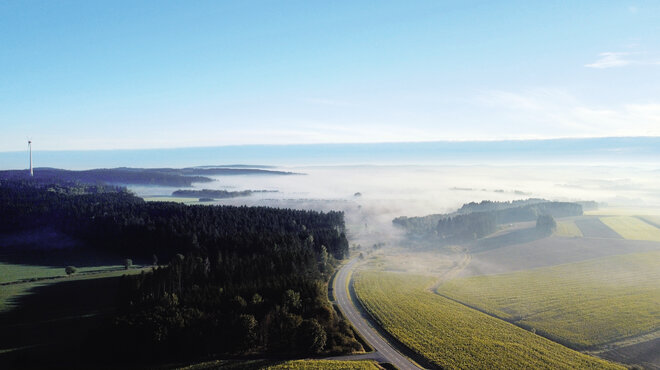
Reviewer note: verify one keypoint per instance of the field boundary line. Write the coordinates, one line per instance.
(512, 322)
(643, 219)
(641, 338)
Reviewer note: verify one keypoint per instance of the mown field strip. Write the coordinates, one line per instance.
(454, 336)
(568, 229)
(632, 228)
(583, 304)
(14, 272)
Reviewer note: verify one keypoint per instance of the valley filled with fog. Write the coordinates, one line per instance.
(375, 195)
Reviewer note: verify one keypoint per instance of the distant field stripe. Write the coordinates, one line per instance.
(568, 229)
(593, 227)
(632, 228)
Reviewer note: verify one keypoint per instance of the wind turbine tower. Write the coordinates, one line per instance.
(30, 147)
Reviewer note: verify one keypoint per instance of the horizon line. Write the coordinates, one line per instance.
(352, 143)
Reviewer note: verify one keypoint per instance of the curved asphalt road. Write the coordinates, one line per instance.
(342, 296)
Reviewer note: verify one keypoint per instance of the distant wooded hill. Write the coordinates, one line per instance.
(476, 220)
(134, 176)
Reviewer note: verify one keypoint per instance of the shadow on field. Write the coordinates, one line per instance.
(593, 227)
(514, 237)
(49, 326)
(49, 247)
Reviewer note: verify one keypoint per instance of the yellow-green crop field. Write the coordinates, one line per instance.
(286, 365)
(568, 229)
(453, 336)
(632, 228)
(582, 304)
(622, 211)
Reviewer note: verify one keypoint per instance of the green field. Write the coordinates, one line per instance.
(283, 365)
(13, 272)
(568, 229)
(9, 293)
(632, 228)
(583, 304)
(451, 335)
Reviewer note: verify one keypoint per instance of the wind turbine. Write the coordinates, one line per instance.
(30, 147)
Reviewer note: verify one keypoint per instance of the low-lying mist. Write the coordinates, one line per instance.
(371, 196)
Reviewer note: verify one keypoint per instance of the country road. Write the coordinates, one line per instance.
(383, 348)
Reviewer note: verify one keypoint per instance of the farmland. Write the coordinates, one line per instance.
(582, 304)
(285, 365)
(632, 228)
(593, 227)
(451, 335)
(20, 280)
(568, 229)
(653, 220)
(551, 251)
(74, 303)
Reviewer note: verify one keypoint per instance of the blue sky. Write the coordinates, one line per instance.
(116, 75)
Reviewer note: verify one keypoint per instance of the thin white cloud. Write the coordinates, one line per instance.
(554, 113)
(325, 101)
(622, 59)
(611, 60)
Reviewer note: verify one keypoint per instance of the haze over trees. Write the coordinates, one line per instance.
(217, 194)
(239, 279)
(546, 224)
(477, 220)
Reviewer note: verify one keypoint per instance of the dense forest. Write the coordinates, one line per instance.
(231, 280)
(217, 194)
(476, 220)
